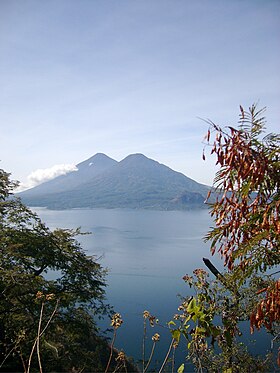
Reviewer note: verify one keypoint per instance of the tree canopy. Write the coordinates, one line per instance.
(244, 203)
(51, 294)
(246, 210)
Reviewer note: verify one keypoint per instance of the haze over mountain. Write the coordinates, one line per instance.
(134, 182)
(86, 171)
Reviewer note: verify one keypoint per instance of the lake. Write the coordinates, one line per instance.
(147, 253)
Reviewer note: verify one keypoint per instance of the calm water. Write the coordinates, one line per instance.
(147, 253)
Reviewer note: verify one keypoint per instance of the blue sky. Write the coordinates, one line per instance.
(131, 76)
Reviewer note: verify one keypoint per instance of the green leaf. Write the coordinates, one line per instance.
(200, 330)
(187, 319)
(176, 334)
(181, 368)
(171, 323)
(228, 337)
(201, 315)
(215, 331)
(191, 305)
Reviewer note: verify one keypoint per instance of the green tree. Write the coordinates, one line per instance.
(51, 294)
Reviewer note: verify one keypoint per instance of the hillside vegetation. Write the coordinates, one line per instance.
(135, 182)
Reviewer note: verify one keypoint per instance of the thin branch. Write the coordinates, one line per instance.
(35, 342)
(22, 361)
(143, 345)
(8, 354)
(51, 317)
(39, 334)
(173, 359)
(38, 338)
(31, 354)
(150, 358)
(111, 351)
(219, 276)
(272, 274)
(167, 355)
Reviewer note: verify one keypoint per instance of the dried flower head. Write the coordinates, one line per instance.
(183, 306)
(152, 321)
(121, 356)
(200, 273)
(116, 321)
(155, 337)
(21, 334)
(50, 296)
(146, 314)
(187, 278)
(39, 295)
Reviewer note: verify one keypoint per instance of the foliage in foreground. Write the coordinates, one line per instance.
(50, 295)
(247, 237)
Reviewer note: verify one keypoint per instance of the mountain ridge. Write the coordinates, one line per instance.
(135, 182)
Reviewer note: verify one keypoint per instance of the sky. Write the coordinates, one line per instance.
(130, 76)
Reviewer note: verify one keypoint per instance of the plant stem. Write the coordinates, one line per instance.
(150, 358)
(143, 347)
(173, 360)
(8, 354)
(200, 370)
(30, 356)
(50, 319)
(39, 334)
(22, 361)
(35, 342)
(38, 338)
(167, 355)
(111, 350)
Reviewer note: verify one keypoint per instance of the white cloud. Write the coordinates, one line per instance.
(42, 175)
